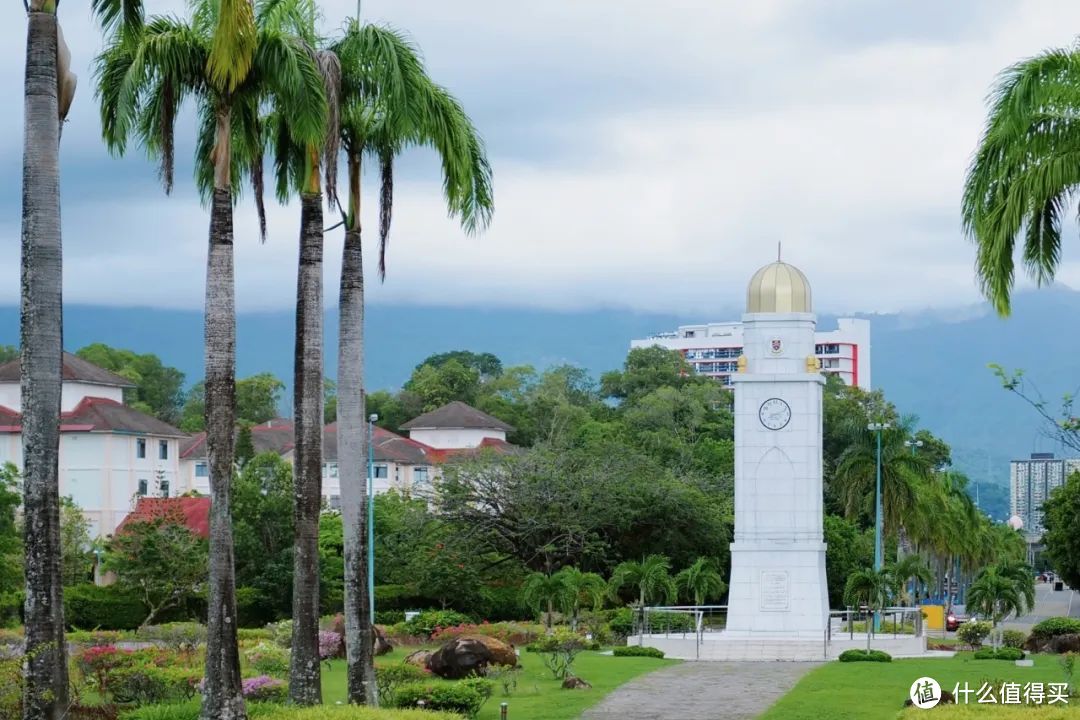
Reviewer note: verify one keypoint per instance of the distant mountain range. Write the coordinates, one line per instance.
(932, 364)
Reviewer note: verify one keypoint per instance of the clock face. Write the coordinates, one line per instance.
(775, 414)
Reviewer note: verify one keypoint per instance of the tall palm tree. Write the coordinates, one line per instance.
(701, 581)
(547, 593)
(872, 588)
(299, 164)
(584, 589)
(650, 578)
(901, 473)
(47, 95)
(388, 103)
(230, 62)
(1024, 174)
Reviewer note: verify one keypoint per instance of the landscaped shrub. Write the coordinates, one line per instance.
(637, 651)
(268, 659)
(177, 636)
(331, 645)
(503, 676)
(281, 633)
(11, 687)
(560, 649)
(390, 677)
(427, 622)
(1013, 638)
(389, 617)
(973, 632)
(190, 711)
(78, 711)
(1054, 626)
(264, 688)
(97, 664)
(253, 635)
(461, 697)
(513, 633)
(95, 607)
(864, 656)
(148, 684)
(94, 637)
(253, 608)
(1005, 653)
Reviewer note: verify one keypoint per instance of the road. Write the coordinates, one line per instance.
(1048, 603)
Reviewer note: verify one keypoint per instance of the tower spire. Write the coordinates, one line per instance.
(778, 251)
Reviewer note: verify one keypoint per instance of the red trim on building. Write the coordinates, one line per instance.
(855, 364)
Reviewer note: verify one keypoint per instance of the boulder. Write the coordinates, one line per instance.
(470, 654)
(419, 658)
(1065, 644)
(575, 683)
(382, 643)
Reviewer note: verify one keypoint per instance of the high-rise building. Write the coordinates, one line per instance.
(1030, 483)
(714, 349)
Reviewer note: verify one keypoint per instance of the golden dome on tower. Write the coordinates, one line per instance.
(778, 288)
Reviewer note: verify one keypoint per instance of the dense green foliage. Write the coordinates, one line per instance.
(1061, 517)
(159, 389)
(1052, 627)
(865, 656)
(257, 399)
(637, 651)
(1004, 653)
(11, 561)
(109, 607)
(973, 632)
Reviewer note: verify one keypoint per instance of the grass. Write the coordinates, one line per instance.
(868, 691)
(538, 695)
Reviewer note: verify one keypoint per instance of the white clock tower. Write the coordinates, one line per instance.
(778, 589)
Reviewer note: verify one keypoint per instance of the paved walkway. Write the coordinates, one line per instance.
(1048, 603)
(702, 691)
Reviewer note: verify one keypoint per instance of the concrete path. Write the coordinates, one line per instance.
(1048, 603)
(702, 691)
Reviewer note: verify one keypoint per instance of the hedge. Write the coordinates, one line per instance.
(354, 712)
(96, 607)
(637, 651)
(1054, 626)
(1005, 653)
(190, 711)
(864, 656)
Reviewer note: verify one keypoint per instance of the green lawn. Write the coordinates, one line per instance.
(868, 691)
(538, 695)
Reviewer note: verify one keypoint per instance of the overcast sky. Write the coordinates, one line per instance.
(646, 155)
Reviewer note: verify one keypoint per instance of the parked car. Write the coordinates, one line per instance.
(954, 620)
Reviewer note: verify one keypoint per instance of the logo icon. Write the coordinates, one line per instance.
(777, 346)
(925, 693)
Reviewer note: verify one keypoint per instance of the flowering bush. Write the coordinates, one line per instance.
(268, 659)
(429, 621)
(264, 688)
(281, 633)
(331, 645)
(98, 663)
(508, 632)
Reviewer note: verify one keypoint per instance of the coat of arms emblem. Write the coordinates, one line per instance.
(776, 346)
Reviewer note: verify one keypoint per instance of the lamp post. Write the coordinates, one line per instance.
(877, 428)
(371, 514)
(913, 444)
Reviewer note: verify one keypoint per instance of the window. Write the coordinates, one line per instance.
(380, 472)
(163, 487)
(332, 470)
(201, 470)
(420, 475)
(143, 488)
(163, 450)
(140, 448)
(335, 502)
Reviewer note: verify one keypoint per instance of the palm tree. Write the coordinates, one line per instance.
(230, 62)
(47, 96)
(650, 578)
(912, 572)
(1023, 175)
(388, 103)
(542, 591)
(298, 165)
(901, 473)
(872, 588)
(584, 589)
(701, 581)
(1001, 589)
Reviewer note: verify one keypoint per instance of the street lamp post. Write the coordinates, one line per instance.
(371, 515)
(877, 428)
(913, 444)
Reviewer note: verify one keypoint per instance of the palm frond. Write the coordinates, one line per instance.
(118, 17)
(386, 205)
(330, 69)
(234, 45)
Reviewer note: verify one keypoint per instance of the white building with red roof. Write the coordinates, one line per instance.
(400, 463)
(110, 454)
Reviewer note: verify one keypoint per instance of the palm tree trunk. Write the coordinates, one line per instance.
(45, 692)
(222, 696)
(352, 446)
(305, 678)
